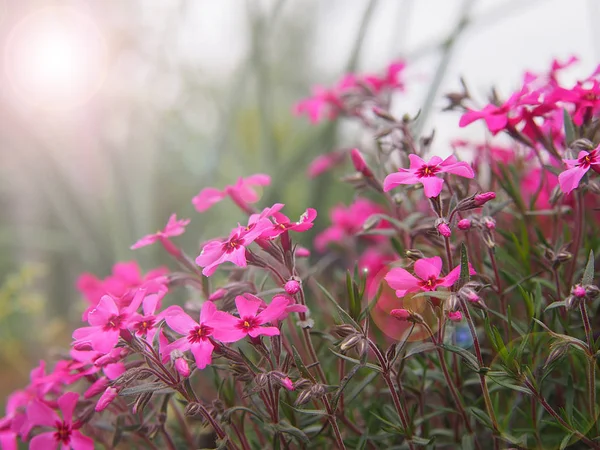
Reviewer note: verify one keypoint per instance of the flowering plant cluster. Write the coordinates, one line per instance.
(448, 306)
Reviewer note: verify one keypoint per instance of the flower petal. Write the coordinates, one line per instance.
(67, 403)
(44, 441)
(39, 413)
(401, 279)
(275, 309)
(397, 178)
(570, 178)
(426, 268)
(432, 186)
(81, 442)
(247, 307)
(202, 351)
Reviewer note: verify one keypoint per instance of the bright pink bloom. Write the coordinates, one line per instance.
(578, 291)
(233, 249)
(250, 323)
(570, 178)
(242, 193)
(196, 334)
(324, 163)
(390, 80)
(496, 117)
(428, 277)
(283, 224)
(292, 306)
(426, 173)
(145, 325)
(106, 322)
(65, 434)
(173, 228)
(586, 98)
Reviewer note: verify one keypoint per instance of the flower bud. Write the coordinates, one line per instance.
(464, 224)
(182, 367)
(482, 199)
(578, 291)
(287, 383)
(292, 287)
(217, 295)
(106, 399)
(350, 342)
(401, 314)
(592, 291)
(444, 229)
(343, 330)
(469, 295)
(455, 316)
(302, 252)
(489, 223)
(414, 254)
(98, 386)
(82, 346)
(359, 163)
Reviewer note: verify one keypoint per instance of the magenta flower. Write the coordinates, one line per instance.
(570, 178)
(427, 271)
(250, 322)
(242, 192)
(324, 163)
(173, 228)
(145, 325)
(496, 117)
(283, 224)
(65, 434)
(106, 322)
(426, 173)
(196, 334)
(233, 249)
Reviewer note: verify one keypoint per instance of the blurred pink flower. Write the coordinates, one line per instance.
(241, 193)
(426, 173)
(173, 228)
(324, 163)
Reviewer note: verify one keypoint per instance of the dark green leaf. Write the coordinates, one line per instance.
(569, 127)
(147, 387)
(345, 317)
(588, 274)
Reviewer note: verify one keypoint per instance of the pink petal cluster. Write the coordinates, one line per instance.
(242, 193)
(427, 271)
(427, 173)
(173, 228)
(577, 168)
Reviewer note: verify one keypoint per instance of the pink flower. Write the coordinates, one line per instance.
(483, 198)
(359, 163)
(106, 322)
(496, 117)
(145, 325)
(173, 228)
(196, 334)
(324, 163)
(426, 173)
(106, 399)
(241, 193)
(233, 249)
(250, 323)
(182, 367)
(283, 224)
(65, 434)
(346, 221)
(578, 291)
(570, 178)
(428, 277)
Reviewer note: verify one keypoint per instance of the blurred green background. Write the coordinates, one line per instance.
(101, 141)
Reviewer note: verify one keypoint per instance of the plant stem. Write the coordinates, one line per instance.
(579, 222)
(591, 360)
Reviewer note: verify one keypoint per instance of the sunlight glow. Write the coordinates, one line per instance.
(55, 58)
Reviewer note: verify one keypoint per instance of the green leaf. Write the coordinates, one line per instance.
(157, 387)
(468, 357)
(588, 274)
(345, 317)
(394, 426)
(358, 389)
(300, 365)
(569, 127)
(553, 305)
(464, 266)
(286, 428)
(565, 442)
(343, 384)
(356, 361)
(419, 348)
(229, 411)
(310, 412)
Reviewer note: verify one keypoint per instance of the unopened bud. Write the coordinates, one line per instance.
(302, 252)
(455, 316)
(578, 291)
(217, 295)
(359, 163)
(444, 229)
(98, 386)
(592, 291)
(350, 342)
(379, 112)
(406, 316)
(292, 287)
(489, 223)
(106, 399)
(303, 398)
(182, 367)
(343, 330)
(557, 352)
(464, 224)
(482, 199)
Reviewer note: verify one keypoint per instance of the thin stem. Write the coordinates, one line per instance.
(579, 222)
(559, 419)
(591, 360)
(482, 379)
(448, 253)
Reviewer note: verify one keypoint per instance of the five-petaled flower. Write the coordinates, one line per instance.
(427, 271)
(427, 173)
(250, 322)
(173, 228)
(570, 178)
(65, 434)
